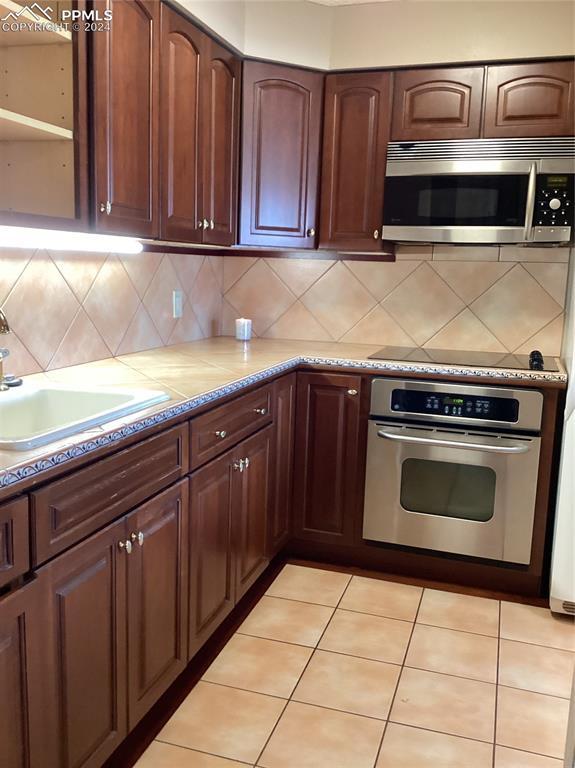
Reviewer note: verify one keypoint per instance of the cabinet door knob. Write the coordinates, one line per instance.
(221, 433)
(375, 234)
(246, 463)
(138, 537)
(200, 224)
(352, 391)
(238, 466)
(206, 224)
(106, 207)
(212, 225)
(310, 232)
(260, 411)
(125, 545)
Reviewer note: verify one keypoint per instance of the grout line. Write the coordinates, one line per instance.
(245, 690)
(201, 751)
(496, 682)
(560, 314)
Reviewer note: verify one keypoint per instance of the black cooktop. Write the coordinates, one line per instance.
(535, 361)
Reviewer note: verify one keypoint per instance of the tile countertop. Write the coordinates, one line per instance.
(201, 372)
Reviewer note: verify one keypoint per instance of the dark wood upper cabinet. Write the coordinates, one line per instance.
(437, 104)
(251, 507)
(211, 550)
(281, 125)
(181, 162)
(126, 118)
(327, 483)
(85, 638)
(284, 397)
(530, 100)
(221, 85)
(356, 131)
(157, 597)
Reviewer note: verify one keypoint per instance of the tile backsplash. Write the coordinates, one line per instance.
(484, 298)
(71, 308)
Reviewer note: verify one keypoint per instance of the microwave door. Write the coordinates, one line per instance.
(460, 202)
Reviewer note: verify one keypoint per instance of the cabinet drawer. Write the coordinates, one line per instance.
(14, 545)
(219, 429)
(70, 509)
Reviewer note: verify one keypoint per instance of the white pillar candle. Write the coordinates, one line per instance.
(243, 329)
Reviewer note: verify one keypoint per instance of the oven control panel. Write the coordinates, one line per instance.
(554, 200)
(455, 405)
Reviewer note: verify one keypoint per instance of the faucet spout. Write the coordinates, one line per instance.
(4, 325)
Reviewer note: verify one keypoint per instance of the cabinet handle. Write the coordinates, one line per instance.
(212, 225)
(138, 537)
(221, 433)
(106, 207)
(260, 411)
(206, 223)
(352, 391)
(238, 466)
(375, 234)
(200, 224)
(246, 463)
(127, 545)
(310, 232)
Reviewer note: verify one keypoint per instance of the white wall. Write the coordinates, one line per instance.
(393, 32)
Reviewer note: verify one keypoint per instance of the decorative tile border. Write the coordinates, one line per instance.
(19, 473)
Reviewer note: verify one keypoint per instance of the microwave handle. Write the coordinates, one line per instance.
(530, 203)
(484, 447)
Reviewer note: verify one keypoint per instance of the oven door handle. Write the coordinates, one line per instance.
(484, 447)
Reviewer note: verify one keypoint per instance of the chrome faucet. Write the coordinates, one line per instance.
(4, 328)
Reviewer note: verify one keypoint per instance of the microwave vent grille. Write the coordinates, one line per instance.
(482, 149)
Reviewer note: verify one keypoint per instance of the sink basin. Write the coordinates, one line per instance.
(32, 416)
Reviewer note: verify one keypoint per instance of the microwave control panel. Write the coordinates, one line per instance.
(481, 407)
(554, 200)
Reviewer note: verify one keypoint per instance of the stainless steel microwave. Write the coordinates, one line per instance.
(480, 191)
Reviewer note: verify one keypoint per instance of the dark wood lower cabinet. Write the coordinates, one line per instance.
(211, 563)
(85, 646)
(250, 509)
(327, 482)
(284, 397)
(157, 598)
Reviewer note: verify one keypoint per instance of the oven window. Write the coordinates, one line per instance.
(462, 491)
(456, 200)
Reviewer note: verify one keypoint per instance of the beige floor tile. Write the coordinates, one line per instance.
(263, 666)
(407, 747)
(287, 620)
(537, 625)
(453, 653)
(536, 668)
(531, 721)
(382, 598)
(444, 703)
(513, 758)
(359, 686)
(373, 637)
(160, 755)
(455, 611)
(312, 737)
(311, 585)
(223, 721)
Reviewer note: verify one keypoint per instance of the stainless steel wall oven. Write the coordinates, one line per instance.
(453, 468)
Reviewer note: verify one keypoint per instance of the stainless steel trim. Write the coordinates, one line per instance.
(486, 447)
(457, 167)
(465, 235)
(530, 204)
(530, 403)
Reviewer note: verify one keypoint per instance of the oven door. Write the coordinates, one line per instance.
(451, 490)
(460, 202)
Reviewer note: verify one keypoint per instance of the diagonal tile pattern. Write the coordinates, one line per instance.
(345, 687)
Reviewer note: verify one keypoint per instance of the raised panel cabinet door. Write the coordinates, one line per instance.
(356, 131)
(157, 598)
(126, 118)
(437, 104)
(281, 125)
(86, 639)
(211, 554)
(251, 507)
(25, 734)
(327, 456)
(180, 138)
(530, 100)
(284, 394)
(221, 84)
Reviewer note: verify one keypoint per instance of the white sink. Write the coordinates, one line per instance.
(31, 416)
